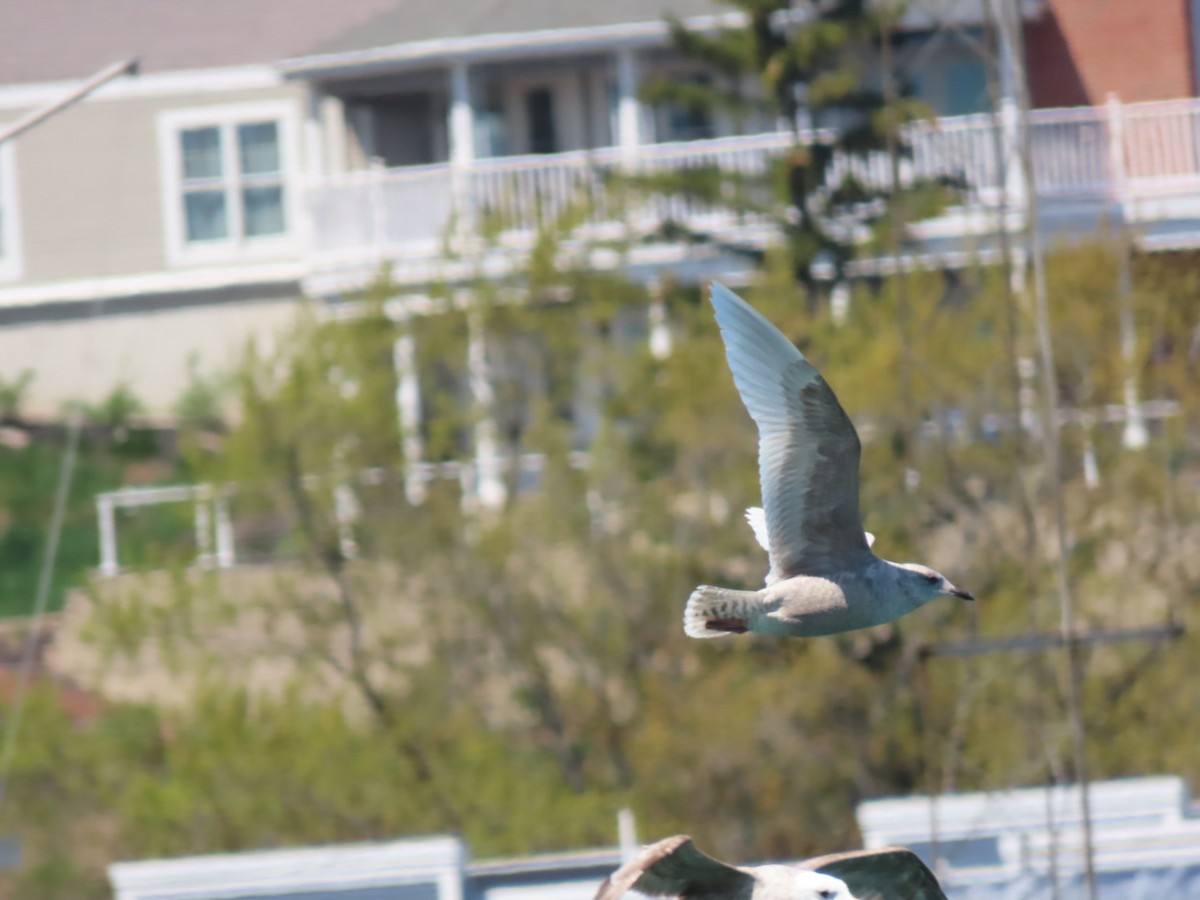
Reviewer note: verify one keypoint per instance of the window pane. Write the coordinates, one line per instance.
(201, 152)
(258, 148)
(262, 209)
(206, 216)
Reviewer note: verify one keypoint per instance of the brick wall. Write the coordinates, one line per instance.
(1079, 50)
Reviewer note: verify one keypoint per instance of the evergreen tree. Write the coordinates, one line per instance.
(821, 70)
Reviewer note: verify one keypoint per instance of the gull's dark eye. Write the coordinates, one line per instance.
(932, 579)
(827, 894)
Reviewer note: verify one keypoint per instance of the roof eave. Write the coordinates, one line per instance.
(548, 42)
(487, 47)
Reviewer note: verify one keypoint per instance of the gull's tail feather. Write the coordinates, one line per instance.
(712, 612)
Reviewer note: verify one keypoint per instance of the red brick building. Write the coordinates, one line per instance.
(1080, 50)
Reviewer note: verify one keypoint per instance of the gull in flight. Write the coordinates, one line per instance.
(823, 579)
(673, 867)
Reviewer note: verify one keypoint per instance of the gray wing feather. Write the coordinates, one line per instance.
(808, 450)
(892, 873)
(673, 867)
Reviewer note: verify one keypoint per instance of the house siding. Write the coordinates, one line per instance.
(91, 188)
(1080, 50)
(85, 359)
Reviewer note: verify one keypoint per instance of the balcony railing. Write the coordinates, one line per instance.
(1142, 159)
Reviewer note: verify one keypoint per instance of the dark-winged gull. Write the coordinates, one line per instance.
(673, 867)
(823, 579)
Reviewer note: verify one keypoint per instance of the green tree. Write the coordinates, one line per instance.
(518, 674)
(823, 72)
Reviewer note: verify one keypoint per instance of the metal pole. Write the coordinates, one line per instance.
(1052, 448)
(75, 94)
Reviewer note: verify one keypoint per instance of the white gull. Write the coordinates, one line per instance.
(823, 579)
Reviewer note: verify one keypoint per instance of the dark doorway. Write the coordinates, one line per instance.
(403, 136)
(539, 113)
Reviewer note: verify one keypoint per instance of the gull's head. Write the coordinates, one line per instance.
(922, 584)
(789, 883)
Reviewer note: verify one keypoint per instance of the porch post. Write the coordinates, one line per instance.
(1014, 173)
(226, 551)
(1135, 435)
(1116, 153)
(629, 108)
(332, 114)
(107, 520)
(462, 116)
(461, 133)
(489, 482)
(660, 328)
(202, 497)
(408, 409)
(314, 136)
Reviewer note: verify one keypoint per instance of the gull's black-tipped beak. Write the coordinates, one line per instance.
(962, 595)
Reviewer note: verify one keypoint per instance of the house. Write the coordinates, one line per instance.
(1001, 845)
(1080, 52)
(282, 148)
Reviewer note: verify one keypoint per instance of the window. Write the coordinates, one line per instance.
(10, 256)
(226, 181)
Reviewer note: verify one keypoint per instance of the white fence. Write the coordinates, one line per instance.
(1133, 156)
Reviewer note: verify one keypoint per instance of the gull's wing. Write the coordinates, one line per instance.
(808, 449)
(757, 518)
(673, 867)
(892, 873)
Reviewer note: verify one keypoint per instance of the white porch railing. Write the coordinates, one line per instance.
(1137, 156)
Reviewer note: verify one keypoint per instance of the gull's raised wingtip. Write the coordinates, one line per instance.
(718, 293)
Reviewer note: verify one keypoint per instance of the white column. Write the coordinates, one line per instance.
(226, 552)
(314, 136)
(1134, 436)
(1027, 396)
(839, 301)
(1014, 171)
(629, 108)
(379, 211)
(334, 124)
(660, 328)
(204, 557)
(1091, 471)
(460, 131)
(489, 483)
(627, 834)
(1116, 151)
(462, 116)
(106, 519)
(408, 411)
(346, 511)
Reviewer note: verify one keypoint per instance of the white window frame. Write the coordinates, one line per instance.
(11, 267)
(171, 124)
